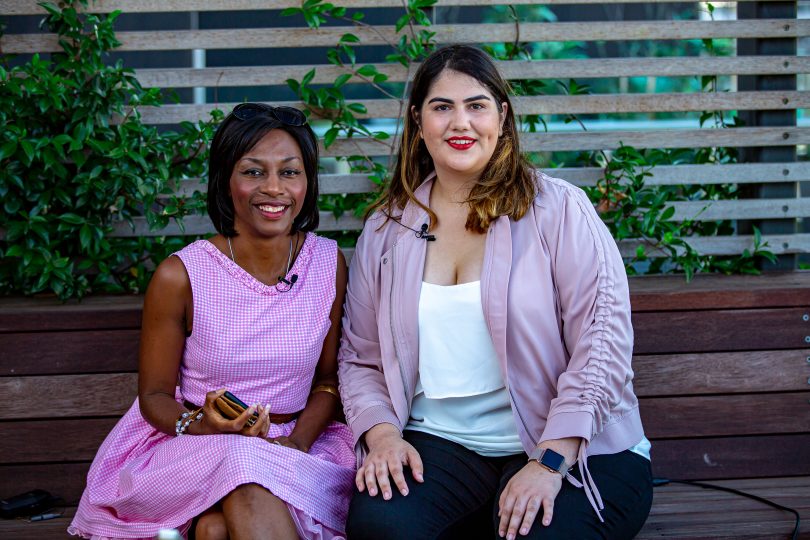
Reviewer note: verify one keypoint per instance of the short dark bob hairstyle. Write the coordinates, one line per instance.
(235, 138)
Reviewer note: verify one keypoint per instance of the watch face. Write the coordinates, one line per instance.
(552, 460)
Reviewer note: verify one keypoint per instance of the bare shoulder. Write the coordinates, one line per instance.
(342, 269)
(170, 287)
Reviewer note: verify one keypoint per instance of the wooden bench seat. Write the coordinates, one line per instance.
(722, 370)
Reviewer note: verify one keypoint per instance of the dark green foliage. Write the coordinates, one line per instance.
(75, 157)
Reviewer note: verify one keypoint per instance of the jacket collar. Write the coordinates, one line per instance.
(413, 215)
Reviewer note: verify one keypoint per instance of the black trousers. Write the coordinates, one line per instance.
(458, 499)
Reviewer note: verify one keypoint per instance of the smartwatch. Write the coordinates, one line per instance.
(549, 459)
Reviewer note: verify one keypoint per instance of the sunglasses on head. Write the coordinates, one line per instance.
(286, 115)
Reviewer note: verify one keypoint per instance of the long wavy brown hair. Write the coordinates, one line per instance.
(507, 185)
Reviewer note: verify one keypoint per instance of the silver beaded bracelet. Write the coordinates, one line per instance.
(185, 420)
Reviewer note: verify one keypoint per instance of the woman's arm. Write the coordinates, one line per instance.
(363, 388)
(321, 406)
(167, 313)
(167, 318)
(595, 308)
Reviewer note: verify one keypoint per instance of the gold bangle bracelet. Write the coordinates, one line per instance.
(330, 388)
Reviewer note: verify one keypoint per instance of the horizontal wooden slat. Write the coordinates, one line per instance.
(40, 353)
(95, 312)
(731, 457)
(684, 210)
(670, 175)
(648, 293)
(715, 373)
(66, 480)
(586, 68)
(544, 105)
(67, 396)
(53, 529)
(195, 225)
(784, 244)
(741, 209)
(35, 441)
(717, 291)
(252, 38)
(328, 184)
(789, 486)
(686, 511)
(720, 330)
(604, 140)
(31, 7)
(663, 175)
(717, 416)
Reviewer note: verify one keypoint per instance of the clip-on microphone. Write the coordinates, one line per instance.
(423, 234)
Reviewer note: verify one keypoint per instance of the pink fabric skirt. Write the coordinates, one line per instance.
(143, 480)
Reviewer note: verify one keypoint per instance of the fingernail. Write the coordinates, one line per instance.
(524, 531)
(546, 521)
(405, 492)
(387, 495)
(510, 536)
(372, 492)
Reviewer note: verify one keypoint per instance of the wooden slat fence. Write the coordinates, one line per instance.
(633, 119)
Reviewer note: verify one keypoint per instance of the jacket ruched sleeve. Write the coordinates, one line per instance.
(594, 300)
(363, 388)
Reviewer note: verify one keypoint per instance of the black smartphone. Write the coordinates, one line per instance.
(26, 504)
(230, 397)
(231, 407)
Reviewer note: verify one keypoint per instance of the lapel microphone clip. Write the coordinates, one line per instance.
(423, 234)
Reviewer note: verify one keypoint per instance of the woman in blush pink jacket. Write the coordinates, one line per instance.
(485, 362)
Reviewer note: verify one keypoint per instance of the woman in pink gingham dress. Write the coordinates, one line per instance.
(268, 336)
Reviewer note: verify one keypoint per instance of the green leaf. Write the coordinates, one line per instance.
(329, 137)
(71, 218)
(7, 149)
(342, 79)
(349, 38)
(308, 77)
(367, 71)
(28, 148)
(359, 108)
(402, 22)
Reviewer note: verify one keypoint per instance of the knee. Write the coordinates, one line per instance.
(211, 526)
(372, 518)
(249, 496)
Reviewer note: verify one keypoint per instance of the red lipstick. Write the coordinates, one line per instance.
(461, 143)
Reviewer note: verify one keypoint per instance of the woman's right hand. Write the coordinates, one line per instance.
(213, 422)
(388, 452)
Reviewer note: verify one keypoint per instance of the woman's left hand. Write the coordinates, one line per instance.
(289, 443)
(532, 488)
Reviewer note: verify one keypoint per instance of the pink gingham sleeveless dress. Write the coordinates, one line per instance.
(263, 345)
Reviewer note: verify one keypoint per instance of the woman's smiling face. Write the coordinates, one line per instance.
(268, 185)
(460, 122)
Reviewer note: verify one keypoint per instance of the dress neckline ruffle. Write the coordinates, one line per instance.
(244, 277)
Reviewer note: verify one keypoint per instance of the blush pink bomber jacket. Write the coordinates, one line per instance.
(556, 303)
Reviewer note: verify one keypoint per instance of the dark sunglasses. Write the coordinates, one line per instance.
(286, 115)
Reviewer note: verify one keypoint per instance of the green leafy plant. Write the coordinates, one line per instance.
(76, 158)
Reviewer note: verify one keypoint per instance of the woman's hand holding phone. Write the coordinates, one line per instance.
(214, 421)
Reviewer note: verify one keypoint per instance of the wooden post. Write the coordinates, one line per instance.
(771, 46)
